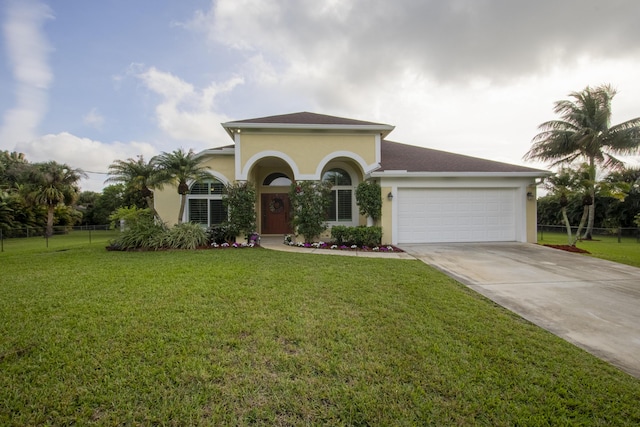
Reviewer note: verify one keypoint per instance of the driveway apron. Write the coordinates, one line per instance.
(593, 303)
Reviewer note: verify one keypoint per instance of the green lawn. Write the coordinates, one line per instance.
(251, 336)
(627, 251)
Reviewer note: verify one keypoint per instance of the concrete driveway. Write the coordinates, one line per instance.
(592, 303)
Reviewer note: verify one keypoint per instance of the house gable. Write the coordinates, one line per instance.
(307, 142)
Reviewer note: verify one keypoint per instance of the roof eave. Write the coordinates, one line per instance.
(234, 127)
(216, 151)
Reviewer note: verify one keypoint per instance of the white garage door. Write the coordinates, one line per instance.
(456, 215)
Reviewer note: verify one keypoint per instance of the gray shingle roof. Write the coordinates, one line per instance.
(397, 156)
(306, 118)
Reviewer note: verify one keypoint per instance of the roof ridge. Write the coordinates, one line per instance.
(307, 117)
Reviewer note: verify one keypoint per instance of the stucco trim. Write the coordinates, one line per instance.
(242, 175)
(348, 154)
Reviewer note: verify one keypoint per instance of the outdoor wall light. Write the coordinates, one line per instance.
(529, 195)
(390, 196)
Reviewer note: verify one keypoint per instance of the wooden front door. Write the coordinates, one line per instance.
(275, 210)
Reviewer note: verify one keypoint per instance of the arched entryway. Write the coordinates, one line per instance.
(273, 177)
(275, 207)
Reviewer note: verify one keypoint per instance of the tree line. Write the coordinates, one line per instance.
(47, 194)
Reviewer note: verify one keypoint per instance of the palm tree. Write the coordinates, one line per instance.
(51, 184)
(178, 168)
(6, 213)
(136, 174)
(584, 133)
(12, 166)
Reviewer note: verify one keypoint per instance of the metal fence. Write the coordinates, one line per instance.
(63, 236)
(618, 233)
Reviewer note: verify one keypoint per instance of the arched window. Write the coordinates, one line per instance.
(204, 203)
(341, 208)
(277, 179)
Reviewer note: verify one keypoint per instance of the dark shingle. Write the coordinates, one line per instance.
(397, 156)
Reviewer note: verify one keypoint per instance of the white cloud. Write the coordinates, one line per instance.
(84, 153)
(369, 41)
(28, 50)
(185, 112)
(464, 76)
(94, 119)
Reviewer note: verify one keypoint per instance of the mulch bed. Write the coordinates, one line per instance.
(568, 248)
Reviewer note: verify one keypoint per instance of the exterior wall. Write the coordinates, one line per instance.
(167, 204)
(525, 209)
(222, 167)
(532, 216)
(386, 221)
(306, 152)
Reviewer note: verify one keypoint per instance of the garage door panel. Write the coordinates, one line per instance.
(456, 215)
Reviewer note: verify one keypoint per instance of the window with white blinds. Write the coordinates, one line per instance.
(204, 203)
(341, 207)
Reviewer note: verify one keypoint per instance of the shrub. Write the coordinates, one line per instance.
(309, 203)
(340, 234)
(360, 236)
(144, 233)
(240, 201)
(187, 235)
(219, 234)
(130, 215)
(368, 196)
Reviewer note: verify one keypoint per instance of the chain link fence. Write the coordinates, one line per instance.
(22, 238)
(620, 234)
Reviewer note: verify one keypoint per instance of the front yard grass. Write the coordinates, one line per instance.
(251, 336)
(627, 251)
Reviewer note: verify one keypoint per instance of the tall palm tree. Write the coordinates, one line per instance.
(178, 168)
(51, 184)
(136, 174)
(585, 133)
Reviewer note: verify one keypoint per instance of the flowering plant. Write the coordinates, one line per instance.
(341, 247)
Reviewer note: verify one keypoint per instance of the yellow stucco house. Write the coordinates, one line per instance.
(428, 195)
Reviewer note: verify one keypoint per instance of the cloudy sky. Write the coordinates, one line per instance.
(89, 82)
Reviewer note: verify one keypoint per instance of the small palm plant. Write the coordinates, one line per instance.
(178, 168)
